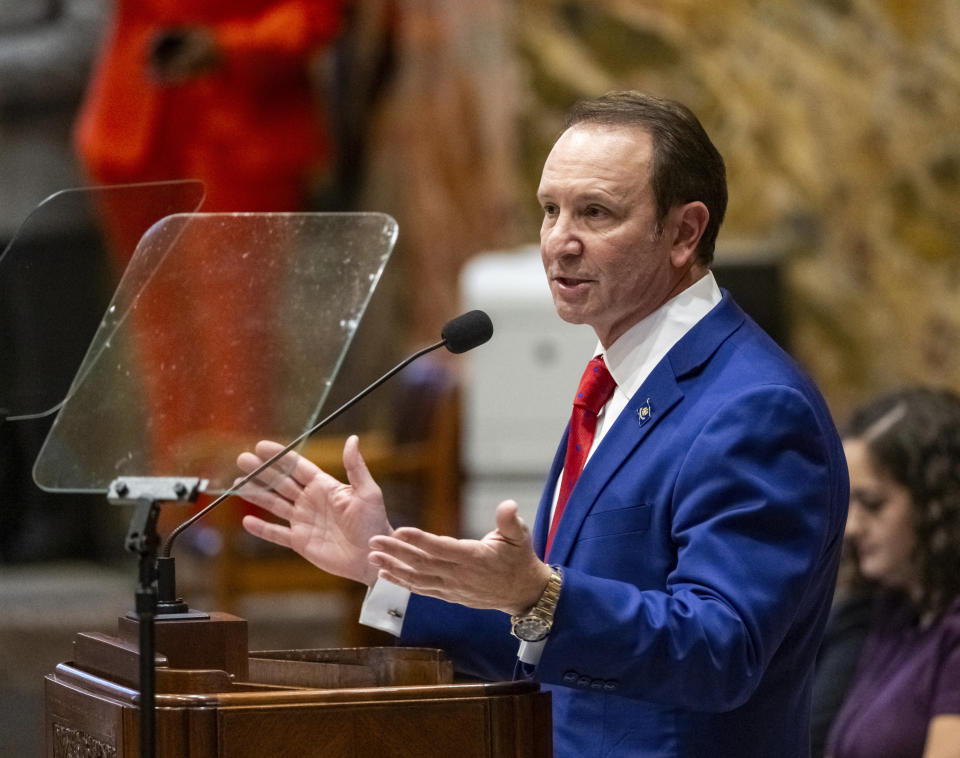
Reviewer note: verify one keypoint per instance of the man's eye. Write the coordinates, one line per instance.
(595, 211)
(549, 209)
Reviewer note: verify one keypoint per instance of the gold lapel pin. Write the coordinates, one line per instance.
(644, 412)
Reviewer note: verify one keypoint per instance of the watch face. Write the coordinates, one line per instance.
(530, 629)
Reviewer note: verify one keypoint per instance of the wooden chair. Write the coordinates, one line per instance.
(417, 461)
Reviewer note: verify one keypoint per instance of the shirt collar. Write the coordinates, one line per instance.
(638, 350)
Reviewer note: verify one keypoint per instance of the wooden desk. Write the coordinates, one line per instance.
(338, 703)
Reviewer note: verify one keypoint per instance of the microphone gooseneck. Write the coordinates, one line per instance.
(459, 335)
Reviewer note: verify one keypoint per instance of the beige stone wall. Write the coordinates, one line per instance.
(840, 123)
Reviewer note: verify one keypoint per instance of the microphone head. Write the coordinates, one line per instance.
(467, 331)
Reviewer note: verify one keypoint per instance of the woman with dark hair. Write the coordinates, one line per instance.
(903, 452)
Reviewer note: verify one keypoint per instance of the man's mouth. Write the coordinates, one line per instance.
(568, 281)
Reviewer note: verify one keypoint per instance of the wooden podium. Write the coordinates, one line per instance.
(214, 698)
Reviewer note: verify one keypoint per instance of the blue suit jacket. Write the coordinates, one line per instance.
(699, 548)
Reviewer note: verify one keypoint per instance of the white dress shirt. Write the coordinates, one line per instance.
(629, 360)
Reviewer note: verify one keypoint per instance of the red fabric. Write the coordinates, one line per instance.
(250, 129)
(596, 387)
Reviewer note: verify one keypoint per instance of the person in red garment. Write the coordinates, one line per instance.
(216, 90)
(220, 91)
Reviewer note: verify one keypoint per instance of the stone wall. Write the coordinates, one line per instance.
(840, 124)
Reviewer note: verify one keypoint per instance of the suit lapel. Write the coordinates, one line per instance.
(657, 396)
(541, 526)
(652, 402)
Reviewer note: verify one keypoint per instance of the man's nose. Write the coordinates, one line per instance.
(562, 237)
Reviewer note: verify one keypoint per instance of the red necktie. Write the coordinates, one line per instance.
(596, 387)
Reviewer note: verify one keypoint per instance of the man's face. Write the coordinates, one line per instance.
(607, 263)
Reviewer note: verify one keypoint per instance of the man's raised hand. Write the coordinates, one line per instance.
(500, 571)
(326, 521)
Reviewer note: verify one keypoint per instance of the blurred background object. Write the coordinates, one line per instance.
(215, 91)
(46, 49)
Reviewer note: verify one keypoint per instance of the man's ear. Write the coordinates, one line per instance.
(690, 221)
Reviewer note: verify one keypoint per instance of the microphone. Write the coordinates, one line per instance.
(463, 333)
(466, 332)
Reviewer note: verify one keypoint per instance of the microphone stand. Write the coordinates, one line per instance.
(168, 603)
(146, 494)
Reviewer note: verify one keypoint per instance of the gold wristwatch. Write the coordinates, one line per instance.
(534, 625)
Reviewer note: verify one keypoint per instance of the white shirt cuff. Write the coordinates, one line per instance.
(530, 652)
(385, 606)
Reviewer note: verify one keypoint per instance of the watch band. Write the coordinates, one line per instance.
(535, 624)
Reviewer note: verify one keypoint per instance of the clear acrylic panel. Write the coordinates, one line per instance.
(225, 329)
(57, 276)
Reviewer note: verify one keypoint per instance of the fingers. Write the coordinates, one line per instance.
(415, 571)
(268, 500)
(268, 481)
(510, 526)
(500, 571)
(409, 546)
(357, 472)
(419, 549)
(423, 562)
(275, 533)
(299, 469)
(287, 476)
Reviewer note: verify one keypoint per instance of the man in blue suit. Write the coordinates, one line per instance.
(674, 589)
